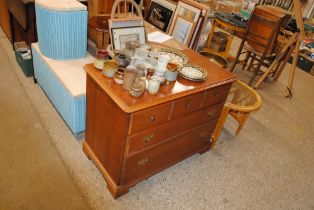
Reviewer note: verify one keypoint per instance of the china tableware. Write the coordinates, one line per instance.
(193, 72)
(175, 56)
(118, 76)
(110, 68)
(153, 85)
(136, 90)
(172, 72)
(101, 57)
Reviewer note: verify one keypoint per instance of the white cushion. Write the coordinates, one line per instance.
(69, 72)
(61, 5)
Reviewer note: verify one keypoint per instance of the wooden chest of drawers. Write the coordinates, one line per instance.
(131, 139)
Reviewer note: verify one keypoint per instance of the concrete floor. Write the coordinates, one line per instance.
(32, 175)
(269, 165)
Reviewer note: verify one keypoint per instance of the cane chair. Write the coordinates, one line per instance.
(125, 9)
(258, 43)
(241, 101)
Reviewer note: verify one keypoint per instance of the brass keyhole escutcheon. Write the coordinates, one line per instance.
(152, 118)
(211, 113)
(148, 138)
(142, 162)
(188, 105)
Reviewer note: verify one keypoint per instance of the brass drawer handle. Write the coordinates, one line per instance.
(142, 162)
(148, 138)
(152, 118)
(210, 113)
(188, 105)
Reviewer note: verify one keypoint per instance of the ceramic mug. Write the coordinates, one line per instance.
(153, 85)
(118, 76)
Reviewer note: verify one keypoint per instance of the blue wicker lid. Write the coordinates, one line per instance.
(61, 5)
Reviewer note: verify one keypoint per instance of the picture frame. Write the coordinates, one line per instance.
(121, 35)
(187, 11)
(124, 23)
(183, 30)
(197, 32)
(200, 25)
(194, 12)
(160, 14)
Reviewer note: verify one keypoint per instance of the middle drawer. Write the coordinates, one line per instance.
(152, 136)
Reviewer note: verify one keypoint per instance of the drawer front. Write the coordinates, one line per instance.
(187, 105)
(162, 156)
(150, 137)
(216, 95)
(149, 117)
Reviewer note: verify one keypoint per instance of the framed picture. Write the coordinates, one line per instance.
(121, 35)
(183, 30)
(186, 11)
(160, 14)
(124, 23)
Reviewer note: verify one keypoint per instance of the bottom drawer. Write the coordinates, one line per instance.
(157, 158)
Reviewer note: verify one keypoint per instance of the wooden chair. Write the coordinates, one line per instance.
(241, 101)
(125, 9)
(258, 43)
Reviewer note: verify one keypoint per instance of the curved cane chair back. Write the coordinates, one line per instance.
(243, 98)
(241, 101)
(125, 9)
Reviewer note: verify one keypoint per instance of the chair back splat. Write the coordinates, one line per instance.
(258, 42)
(125, 9)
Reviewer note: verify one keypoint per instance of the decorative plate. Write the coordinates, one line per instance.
(193, 72)
(175, 56)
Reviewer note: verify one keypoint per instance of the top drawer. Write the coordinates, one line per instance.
(187, 105)
(216, 95)
(149, 117)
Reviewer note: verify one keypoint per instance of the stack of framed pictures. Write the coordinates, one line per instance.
(126, 29)
(188, 22)
(160, 14)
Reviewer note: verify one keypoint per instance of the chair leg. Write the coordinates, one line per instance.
(219, 126)
(251, 62)
(256, 70)
(241, 123)
(238, 54)
(247, 56)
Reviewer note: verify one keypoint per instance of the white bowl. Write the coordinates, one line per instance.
(109, 72)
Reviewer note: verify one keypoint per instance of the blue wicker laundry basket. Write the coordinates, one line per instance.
(61, 28)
